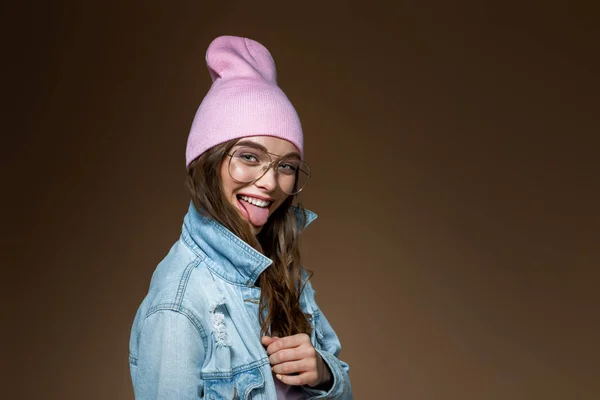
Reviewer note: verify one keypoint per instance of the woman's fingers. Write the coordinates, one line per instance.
(305, 378)
(288, 342)
(293, 367)
(293, 354)
(295, 361)
(267, 340)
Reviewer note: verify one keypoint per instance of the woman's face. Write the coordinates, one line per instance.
(256, 201)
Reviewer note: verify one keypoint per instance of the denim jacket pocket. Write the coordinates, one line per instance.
(233, 385)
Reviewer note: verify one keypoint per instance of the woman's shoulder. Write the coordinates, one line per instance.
(181, 282)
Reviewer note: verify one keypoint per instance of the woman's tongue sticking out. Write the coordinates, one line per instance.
(257, 215)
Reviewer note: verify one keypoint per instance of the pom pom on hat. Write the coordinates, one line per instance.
(244, 99)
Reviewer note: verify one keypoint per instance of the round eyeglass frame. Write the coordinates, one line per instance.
(269, 166)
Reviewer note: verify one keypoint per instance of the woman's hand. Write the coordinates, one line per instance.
(295, 361)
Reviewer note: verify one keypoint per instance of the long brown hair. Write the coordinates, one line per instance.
(281, 283)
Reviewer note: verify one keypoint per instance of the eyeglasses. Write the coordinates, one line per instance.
(248, 164)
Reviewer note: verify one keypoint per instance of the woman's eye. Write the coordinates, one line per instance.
(248, 157)
(288, 168)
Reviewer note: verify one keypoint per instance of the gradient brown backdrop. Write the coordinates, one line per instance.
(455, 169)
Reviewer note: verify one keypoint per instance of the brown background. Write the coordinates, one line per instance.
(455, 169)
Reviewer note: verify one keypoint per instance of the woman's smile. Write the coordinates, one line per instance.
(257, 200)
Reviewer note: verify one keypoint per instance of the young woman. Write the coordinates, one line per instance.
(230, 312)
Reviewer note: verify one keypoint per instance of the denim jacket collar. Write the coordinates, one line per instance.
(226, 254)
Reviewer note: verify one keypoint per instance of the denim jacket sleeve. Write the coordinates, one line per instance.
(169, 359)
(329, 350)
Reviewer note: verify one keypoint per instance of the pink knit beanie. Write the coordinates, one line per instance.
(244, 99)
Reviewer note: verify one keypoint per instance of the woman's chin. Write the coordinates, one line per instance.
(253, 228)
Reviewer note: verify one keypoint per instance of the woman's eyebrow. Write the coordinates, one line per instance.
(292, 154)
(249, 143)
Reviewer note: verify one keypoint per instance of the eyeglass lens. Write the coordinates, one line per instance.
(248, 164)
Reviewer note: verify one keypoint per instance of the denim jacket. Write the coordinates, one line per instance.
(196, 334)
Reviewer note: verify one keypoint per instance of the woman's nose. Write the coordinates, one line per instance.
(269, 179)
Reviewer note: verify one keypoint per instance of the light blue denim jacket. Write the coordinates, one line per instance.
(196, 335)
